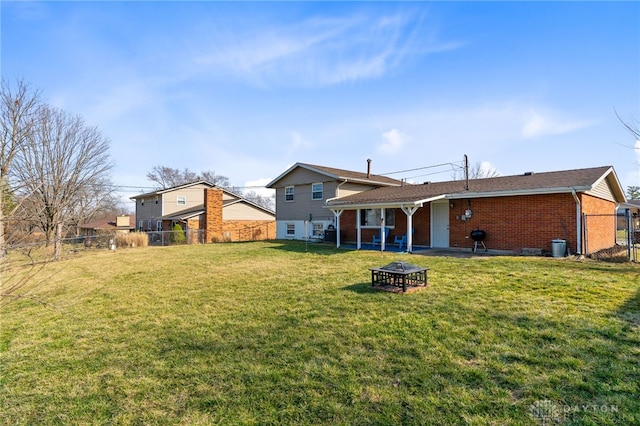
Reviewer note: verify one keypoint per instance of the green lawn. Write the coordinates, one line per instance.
(289, 333)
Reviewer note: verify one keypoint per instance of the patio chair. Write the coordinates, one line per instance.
(377, 239)
(400, 241)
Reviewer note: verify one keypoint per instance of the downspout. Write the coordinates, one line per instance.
(578, 221)
(337, 192)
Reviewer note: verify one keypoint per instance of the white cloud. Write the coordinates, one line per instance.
(538, 124)
(393, 141)
(257, 186)
(487, 169)
(321, 51)
(298, 143)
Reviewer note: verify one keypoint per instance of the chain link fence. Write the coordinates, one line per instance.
(627, 240)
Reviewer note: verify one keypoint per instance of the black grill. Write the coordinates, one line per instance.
(478, 237)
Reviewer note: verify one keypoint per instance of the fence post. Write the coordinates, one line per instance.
(627, 215)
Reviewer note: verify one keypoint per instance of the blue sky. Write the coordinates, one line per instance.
(247, 89)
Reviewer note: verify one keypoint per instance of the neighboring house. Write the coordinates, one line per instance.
(519, 212)
(303, 189)
(634, 211)
(121, 224)
(216, 213)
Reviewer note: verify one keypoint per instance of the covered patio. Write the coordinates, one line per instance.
(375, 217)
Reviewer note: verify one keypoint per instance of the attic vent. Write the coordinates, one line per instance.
(529, 173)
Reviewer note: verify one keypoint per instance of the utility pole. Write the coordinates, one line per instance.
(466, 172)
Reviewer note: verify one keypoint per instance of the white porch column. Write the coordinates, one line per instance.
(409, 211)
(358, 231)
(383, 239)
(337, 214)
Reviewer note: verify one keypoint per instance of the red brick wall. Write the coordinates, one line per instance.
(193, 224)
(600, 230)
(516, 222)
(248, 230)
(217, 230)
(421, 225)
(213, 214)
(511, 223)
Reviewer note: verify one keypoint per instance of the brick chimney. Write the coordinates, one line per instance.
(212, 214)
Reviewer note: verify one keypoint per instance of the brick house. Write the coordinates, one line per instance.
(216, 213)
(634, 212)
(518, 212)
(121, 224)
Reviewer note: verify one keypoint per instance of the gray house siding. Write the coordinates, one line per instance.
(303, 205)
(148, 209)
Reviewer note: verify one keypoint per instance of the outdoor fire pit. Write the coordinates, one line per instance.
(398, 276)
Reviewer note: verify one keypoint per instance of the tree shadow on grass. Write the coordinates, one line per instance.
(590, 367)
(630, 311)
(319, 248)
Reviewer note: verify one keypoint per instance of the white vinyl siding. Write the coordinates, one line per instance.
(318, 230)
(603, 190)
(291, 229)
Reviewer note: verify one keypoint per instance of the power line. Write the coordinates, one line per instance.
(456, 164)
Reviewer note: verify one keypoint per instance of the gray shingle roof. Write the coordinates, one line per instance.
(353, 175)
(579, 179)
(340, 174)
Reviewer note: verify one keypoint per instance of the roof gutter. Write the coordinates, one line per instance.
(398, 204)
(487, 194)
(337, 191)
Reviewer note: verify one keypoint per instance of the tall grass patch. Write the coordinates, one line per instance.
(132, 239)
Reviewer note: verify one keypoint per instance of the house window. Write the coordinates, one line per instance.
(318, 230)
(149, 225)
(159, 225)
(156, 200)
(371, 217)
(291, 229)
(288, 193)
(140, 225)
(142, 201)
(316, 191)
(181, 200)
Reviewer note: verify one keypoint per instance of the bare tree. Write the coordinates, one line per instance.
(168, 177)
(261, 200)
(479, 170)
(482, 170)
(18, 106)
(218, 180)
(63, 169)
(633, 128)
